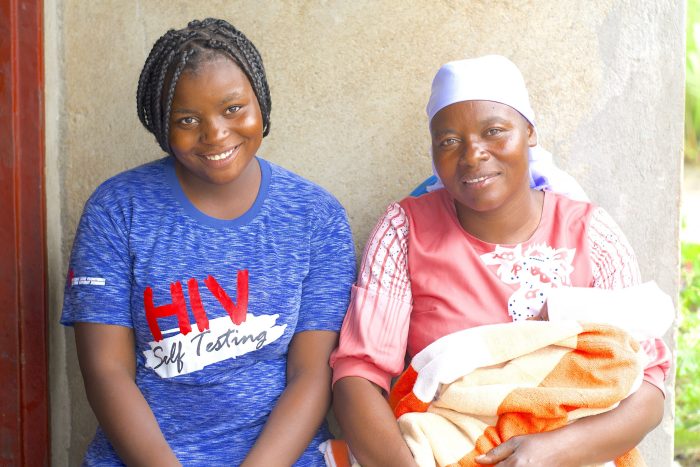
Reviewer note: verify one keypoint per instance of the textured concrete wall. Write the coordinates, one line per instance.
(349, 85)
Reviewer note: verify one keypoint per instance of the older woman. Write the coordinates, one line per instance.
(433, 265)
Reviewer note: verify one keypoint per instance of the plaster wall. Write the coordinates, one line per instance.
(349, 83)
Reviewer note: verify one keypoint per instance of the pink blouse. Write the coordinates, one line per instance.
(422, 277)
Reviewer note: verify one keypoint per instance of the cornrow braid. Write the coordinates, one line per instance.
(185, 49)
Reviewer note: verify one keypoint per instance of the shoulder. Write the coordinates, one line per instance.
(296, 193)
(568, 213)
(595, 220)
(603, 228)
(119, 199)
(393, 223)
(429, 199)
(130, 183)
(430, 208)
(562, 203)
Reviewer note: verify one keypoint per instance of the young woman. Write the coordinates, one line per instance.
(485, 249)
(207, 288)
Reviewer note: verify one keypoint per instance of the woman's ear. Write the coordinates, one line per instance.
(531, 135)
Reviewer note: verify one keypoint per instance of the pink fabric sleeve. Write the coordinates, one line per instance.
(373, 337)
(615, 266)
(613, 261)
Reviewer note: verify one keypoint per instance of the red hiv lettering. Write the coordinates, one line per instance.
(196, 303)
(177, 307)
(237, 311)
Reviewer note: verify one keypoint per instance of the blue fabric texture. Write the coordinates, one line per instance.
(213, 304)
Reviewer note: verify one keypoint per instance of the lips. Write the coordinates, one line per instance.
(222, 155)
(477, 179)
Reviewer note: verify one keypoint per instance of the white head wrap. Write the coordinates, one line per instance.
(495, 78)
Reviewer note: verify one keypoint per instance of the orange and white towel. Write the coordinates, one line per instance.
(336, 453)
(474, 389)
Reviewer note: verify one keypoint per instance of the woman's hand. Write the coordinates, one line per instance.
(591, 440)
(303, 405)
(530, 450)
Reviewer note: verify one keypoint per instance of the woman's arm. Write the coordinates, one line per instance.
(368, 424)
(303, 404)
(373, 345)
(108, 364)
(605, 436)
(595, 439)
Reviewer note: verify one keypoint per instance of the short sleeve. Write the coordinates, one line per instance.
(326, 288)
(98, 285)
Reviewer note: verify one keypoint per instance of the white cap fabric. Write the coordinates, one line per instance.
(489, 78)
(495, 78)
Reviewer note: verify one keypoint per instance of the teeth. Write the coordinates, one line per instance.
(218, 157)
(476, 180)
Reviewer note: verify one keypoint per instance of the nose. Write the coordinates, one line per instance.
(474, 153)
(214, 131)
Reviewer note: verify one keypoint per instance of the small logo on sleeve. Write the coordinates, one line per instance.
(83, 280)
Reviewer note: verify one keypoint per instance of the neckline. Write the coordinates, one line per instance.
(191, 210)
(487, 246)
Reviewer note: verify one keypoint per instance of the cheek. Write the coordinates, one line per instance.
(253, 124)
(444, 164)
(515, 150)
(180, 141)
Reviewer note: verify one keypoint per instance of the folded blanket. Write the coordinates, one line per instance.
(474, 389)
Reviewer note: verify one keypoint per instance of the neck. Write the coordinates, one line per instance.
(227, 201)
(514, 222)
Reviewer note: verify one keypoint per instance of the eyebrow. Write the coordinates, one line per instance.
(485, 122)
(226, 99)
(492, 120)
(182, 111)
(444, 132)
(231, 96)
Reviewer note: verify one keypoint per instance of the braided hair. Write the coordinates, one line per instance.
(186, 49)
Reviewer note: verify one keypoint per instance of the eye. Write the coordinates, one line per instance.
(232, 109)
(494, 131)
(448, 142)
(187, 121)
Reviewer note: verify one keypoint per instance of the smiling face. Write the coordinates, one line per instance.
(480, 151)
(215, 125)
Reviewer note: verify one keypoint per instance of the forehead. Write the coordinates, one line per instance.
(475, 112)
(211, 80)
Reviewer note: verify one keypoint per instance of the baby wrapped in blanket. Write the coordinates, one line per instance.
(471, 390)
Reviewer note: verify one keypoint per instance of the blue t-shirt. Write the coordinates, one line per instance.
(213, 303)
